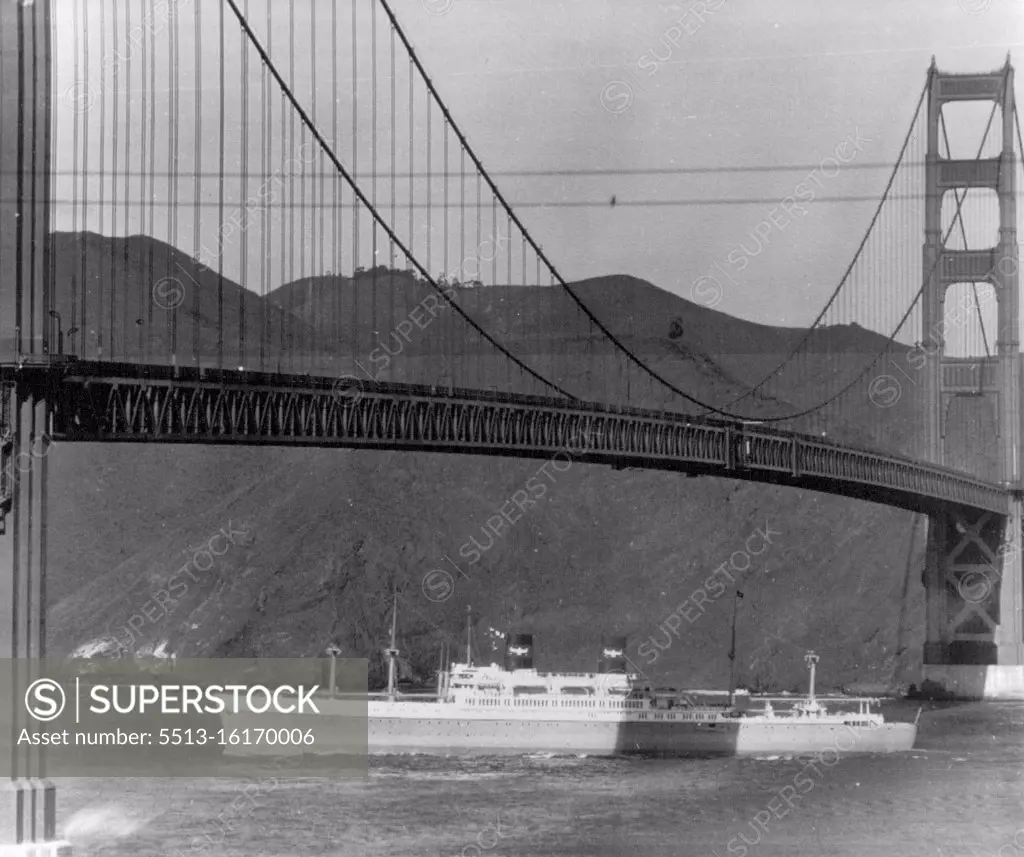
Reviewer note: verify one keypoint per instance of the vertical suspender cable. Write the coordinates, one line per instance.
(104, 279)
(220, 194)
(76, 235)
(243, 193)
(114, 143)
(125, 328)
(355, 171)
(373, 165)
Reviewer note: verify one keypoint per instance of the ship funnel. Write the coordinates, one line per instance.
(519, 652)
(613, 655)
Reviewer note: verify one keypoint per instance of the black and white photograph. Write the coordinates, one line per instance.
(511, 428)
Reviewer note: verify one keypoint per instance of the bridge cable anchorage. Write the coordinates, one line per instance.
(906, 315)
(322, 142)
(849, 268)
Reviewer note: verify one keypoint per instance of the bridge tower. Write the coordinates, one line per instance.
(973, 570)
(27, 799)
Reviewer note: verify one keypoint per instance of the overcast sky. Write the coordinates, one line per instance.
(757, 83)
(627, 85)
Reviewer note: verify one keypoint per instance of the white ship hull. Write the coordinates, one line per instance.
(440, 727)
(497, 737)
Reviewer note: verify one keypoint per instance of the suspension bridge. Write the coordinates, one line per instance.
(223, 224)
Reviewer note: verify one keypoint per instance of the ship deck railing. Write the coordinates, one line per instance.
(376, 695)
(831, 700)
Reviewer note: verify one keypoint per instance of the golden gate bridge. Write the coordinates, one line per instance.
(220, 226)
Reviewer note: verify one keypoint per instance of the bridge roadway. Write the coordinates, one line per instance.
(112, 402)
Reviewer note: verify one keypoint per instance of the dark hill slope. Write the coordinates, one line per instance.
(715, 357)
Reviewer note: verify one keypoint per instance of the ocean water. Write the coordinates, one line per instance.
(960, 792)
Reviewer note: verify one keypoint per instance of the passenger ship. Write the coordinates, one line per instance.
(514, 709)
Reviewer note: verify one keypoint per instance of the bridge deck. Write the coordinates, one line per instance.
(129, 403)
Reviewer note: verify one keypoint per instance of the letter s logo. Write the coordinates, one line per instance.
(438, 585)
(44, 699)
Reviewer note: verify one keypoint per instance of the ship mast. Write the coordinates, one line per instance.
(732, 650)
(811, 659)
(469, 636)
(440, 670)
(392, 652)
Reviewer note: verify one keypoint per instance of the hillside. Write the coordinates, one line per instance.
(322, 536)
